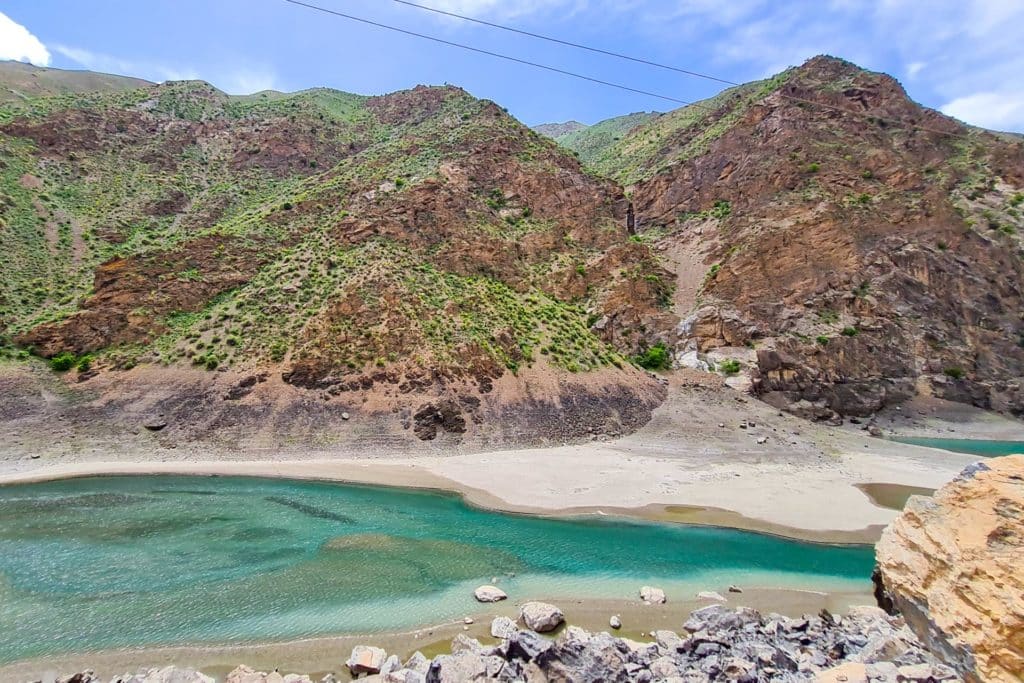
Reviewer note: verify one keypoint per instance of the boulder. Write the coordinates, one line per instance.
(540, 616)
(615, 622)
(365, 659)
(652, 596)
(168, 674)
(504, 628)
(528, 646)
(489, 594)
(951, 565)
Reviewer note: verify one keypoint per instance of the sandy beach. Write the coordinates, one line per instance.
(706, 457)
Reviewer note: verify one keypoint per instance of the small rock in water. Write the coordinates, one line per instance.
(489, 594)
(467, 620)
(735, 589)
(652, 596)
(615, 622)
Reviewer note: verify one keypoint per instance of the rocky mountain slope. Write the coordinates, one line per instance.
(412, 257)
(952, 566)
(835, 242)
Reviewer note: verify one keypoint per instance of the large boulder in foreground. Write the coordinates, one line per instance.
(953, 565)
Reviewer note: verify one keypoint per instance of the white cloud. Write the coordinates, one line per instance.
(235, 81)
(997, 110)
(506, 9)
(914, 68)
(95, 61)
(246, 82)
(18, 43)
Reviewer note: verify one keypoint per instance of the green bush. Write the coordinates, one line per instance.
(63, 361)
(849, 332)
(954, 372)
(655, 358)
(84, 364)
(822, 339)
(729, 366)
(813, 167)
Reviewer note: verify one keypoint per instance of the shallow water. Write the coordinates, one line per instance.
(989, 449)
(110, 562)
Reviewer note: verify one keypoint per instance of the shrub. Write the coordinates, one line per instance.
(721, 209)
(63, 361)
(954, 372)
(729, 366)
(399, 183)
(867, 175)
(655, 358)
(942, 245)
(813, 167)
(277, 351)
(1017, 199)
(84, 364)
(849, 332)
(287, 206)
(821, 339)
(581, 270)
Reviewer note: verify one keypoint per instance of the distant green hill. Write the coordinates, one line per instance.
(592, 142)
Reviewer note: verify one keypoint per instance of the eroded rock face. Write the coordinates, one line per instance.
(953, 565)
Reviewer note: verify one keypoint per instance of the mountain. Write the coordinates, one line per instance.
(20, 82)
(419, 260)
(843, 246)
(555, 130)
(592, 144)
(262, 269)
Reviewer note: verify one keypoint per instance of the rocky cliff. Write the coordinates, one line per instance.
(845, 246)
(953, 565)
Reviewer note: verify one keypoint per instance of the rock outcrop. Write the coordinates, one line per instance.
(953, 566)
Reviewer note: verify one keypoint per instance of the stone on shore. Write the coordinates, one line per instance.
(615, 622)
(652, 596)
(711, 595)
(366, 659)
(504, 628)
(489, 594)
(168, 674)
(540, 616)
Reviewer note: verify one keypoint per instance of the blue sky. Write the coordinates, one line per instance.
(962, 56)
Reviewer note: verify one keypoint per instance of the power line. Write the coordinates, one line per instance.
(668, 67)
(579, 46)
(843, 110)
(488, 52)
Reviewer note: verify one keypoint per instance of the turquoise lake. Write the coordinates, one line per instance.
(989, 449)
(99, 563)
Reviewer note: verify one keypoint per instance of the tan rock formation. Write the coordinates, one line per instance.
(954, 566)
